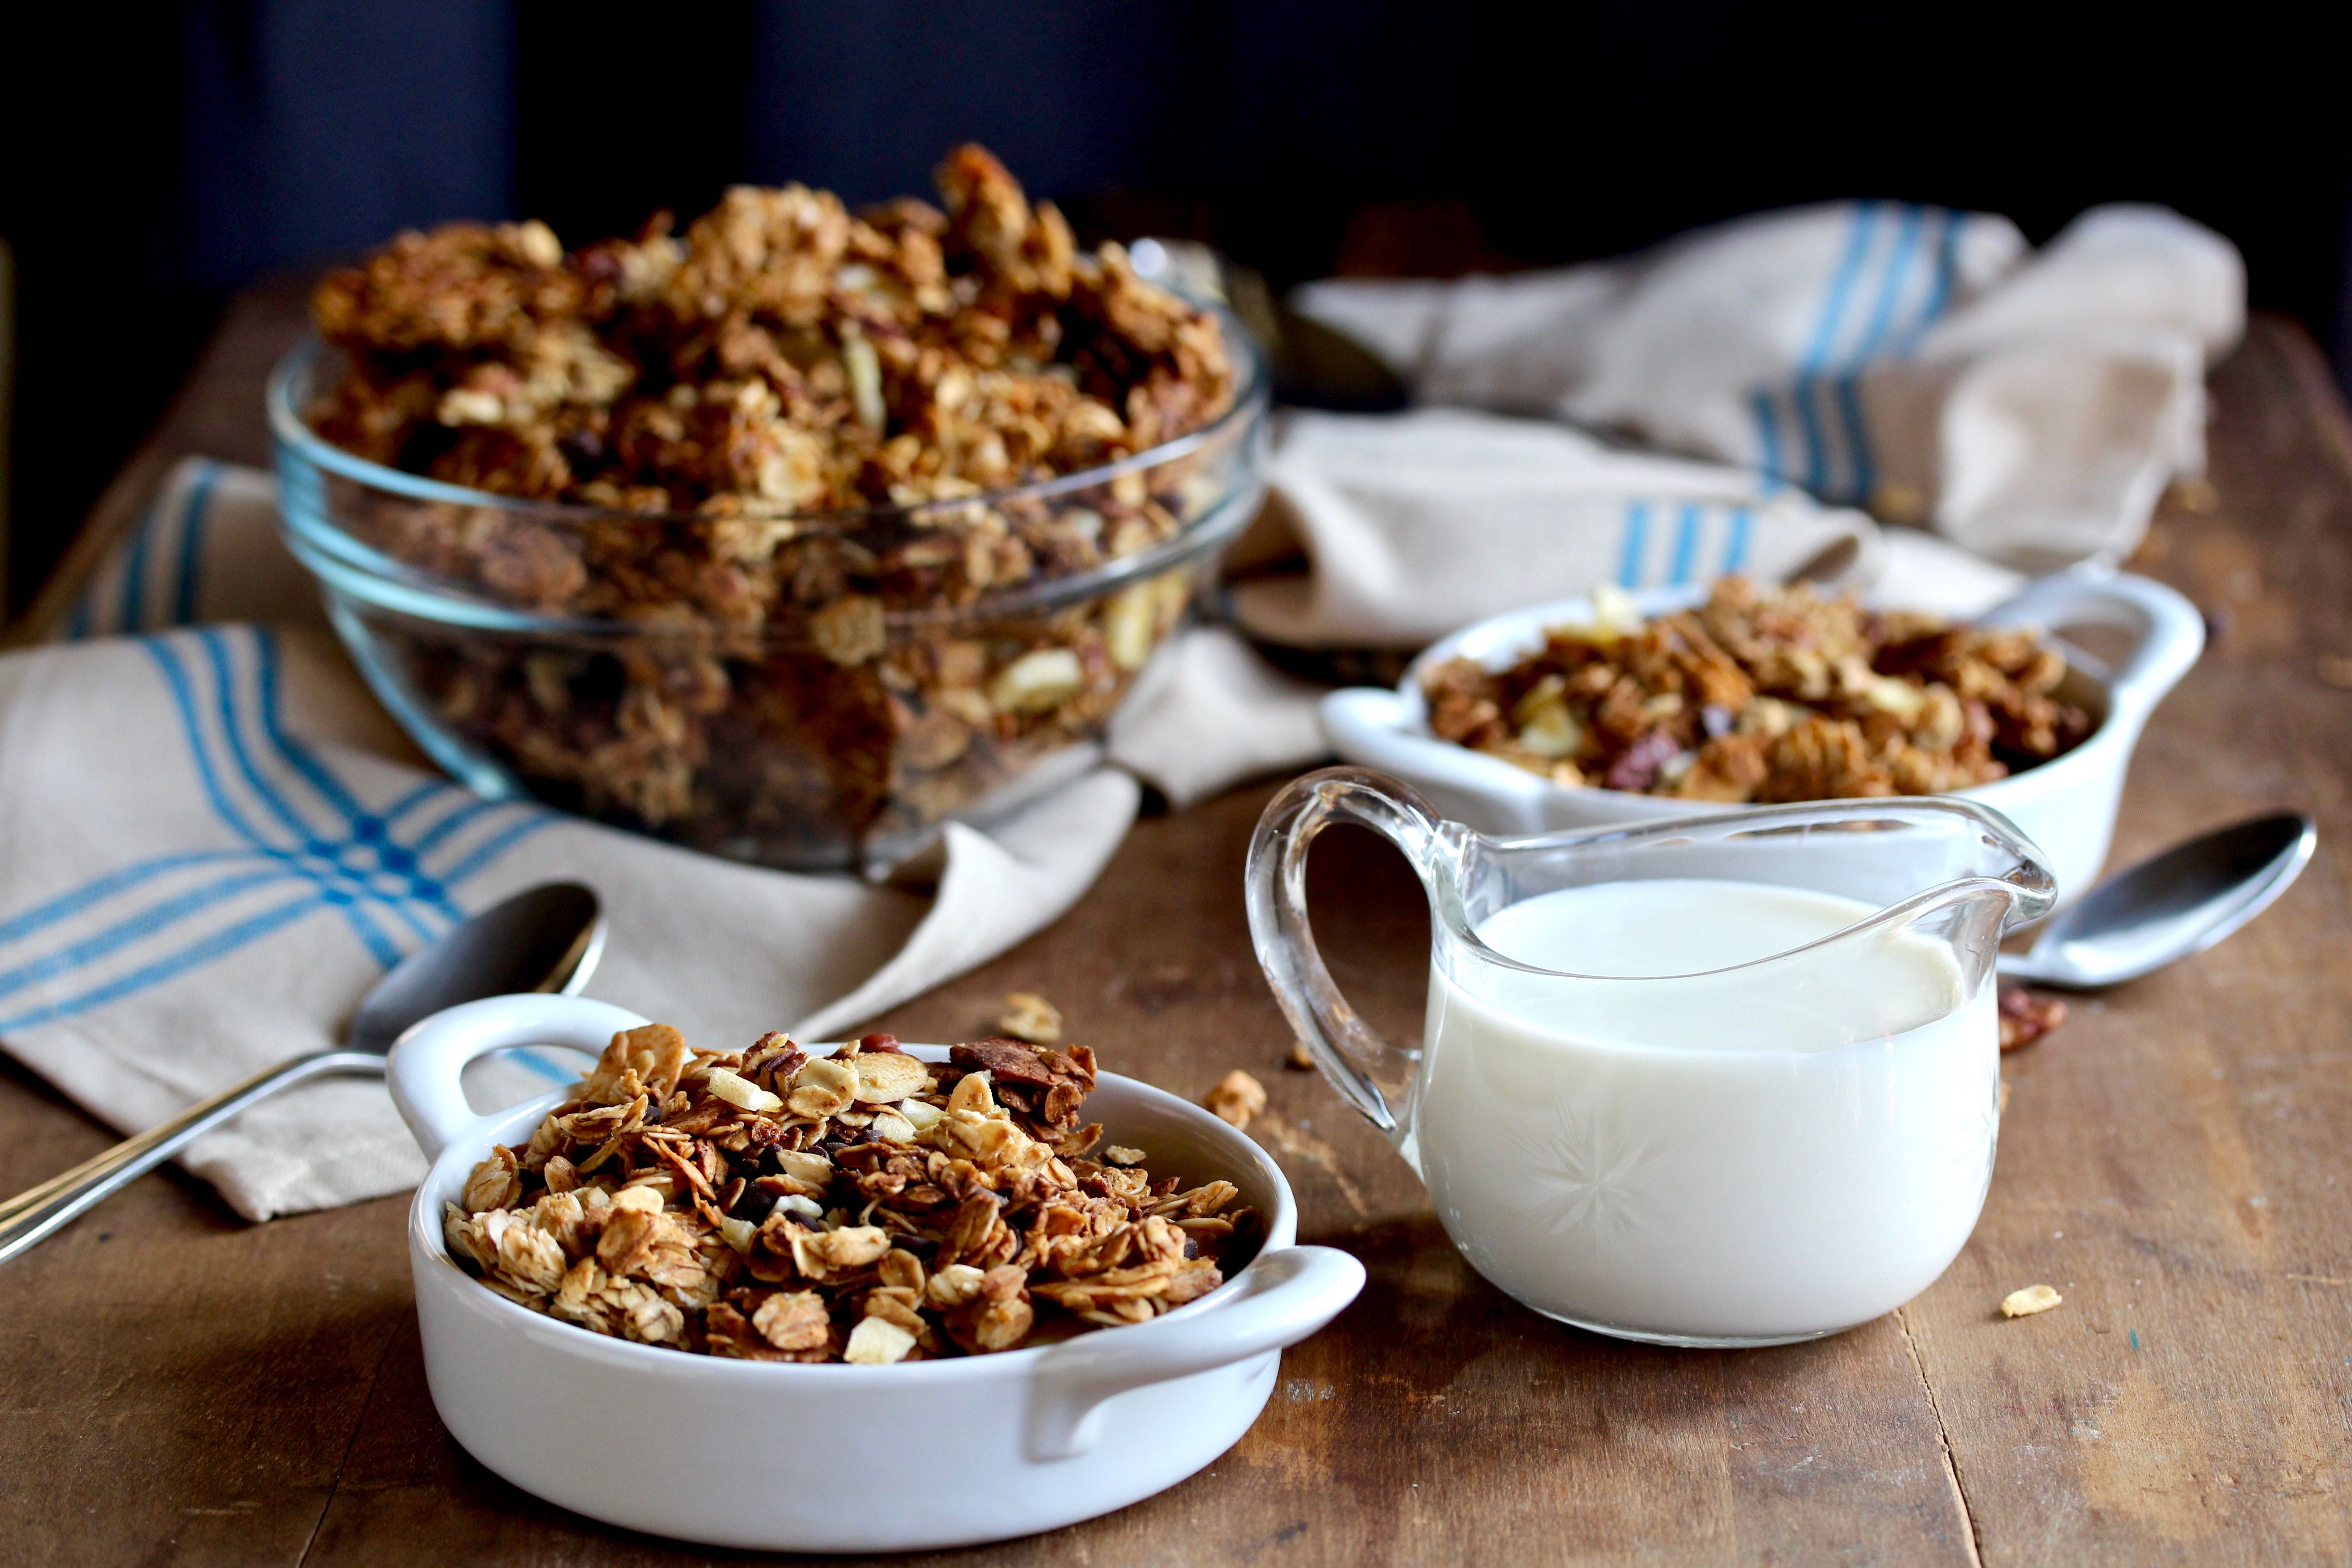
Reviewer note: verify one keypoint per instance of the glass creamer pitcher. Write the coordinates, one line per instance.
(1731, 1080)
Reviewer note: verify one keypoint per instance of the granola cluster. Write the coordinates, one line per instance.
(779, 446)
(866, 1206)
(2025, 1018)
(784, 355)
(1766, 695)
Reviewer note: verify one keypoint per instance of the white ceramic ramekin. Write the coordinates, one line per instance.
(836, 1457)
(2067, 806)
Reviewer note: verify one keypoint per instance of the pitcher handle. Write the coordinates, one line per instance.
(1369, 1073)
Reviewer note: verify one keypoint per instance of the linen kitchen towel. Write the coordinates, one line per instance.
(1416, 524)
(1916, 360)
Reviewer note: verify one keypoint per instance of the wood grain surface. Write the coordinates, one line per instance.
(180, 1387)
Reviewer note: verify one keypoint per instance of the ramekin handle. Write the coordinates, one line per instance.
(1283, 1297)
(425, 1064)
(2166, 631)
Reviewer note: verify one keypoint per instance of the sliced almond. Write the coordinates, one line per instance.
(742, 1093)
(877, 1342)
(886, 1076)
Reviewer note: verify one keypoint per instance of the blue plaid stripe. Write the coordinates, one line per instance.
(1708, 538)
(309, 843)
(1833, 454)
(196, 512)
(1635, 545)
(155, 576)
(1859, 236)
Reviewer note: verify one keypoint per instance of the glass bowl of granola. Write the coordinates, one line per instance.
(740, 1297)
(787, 537)
(1676, 701)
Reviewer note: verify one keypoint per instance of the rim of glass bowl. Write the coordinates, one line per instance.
(362, 571)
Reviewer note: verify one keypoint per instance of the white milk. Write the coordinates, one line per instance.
(1771, 1152)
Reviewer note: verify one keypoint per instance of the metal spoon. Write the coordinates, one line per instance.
(2180, 902)
(546, 938)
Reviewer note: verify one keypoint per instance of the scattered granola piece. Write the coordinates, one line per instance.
(1299, 1059)
(871, 1207)
(1237, 1097)
(2025, 1018)
(2031, 1299)
(1029, 1016)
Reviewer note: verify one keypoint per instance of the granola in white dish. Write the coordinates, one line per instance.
(1766, 695)
(866, 1206)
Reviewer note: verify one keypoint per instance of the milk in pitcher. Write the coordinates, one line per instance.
(1659, 1136)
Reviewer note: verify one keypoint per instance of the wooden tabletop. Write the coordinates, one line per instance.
(182, 1387)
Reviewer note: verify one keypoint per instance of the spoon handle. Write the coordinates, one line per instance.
(38, 1211)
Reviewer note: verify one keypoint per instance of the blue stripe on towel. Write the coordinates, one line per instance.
(1834, 307)
(1742, 522)
(1881, 314)
(194, 955)
(1629, 556)
(309, 849)
(1685, 542)
(194, 515)
(171, 911)
(470, 811)
(133, 606)
(67, 905)
(242, 761)
(498, 844)
(1940, 285)
(1768, 439)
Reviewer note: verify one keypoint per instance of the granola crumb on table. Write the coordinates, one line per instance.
(1237, 1097)
(2026, 1302)
(1029, 1016)
(1765, 695)
(796, 421)
(2026, 1017)
(868, 1206)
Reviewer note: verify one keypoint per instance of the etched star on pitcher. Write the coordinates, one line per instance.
(1593, 1178)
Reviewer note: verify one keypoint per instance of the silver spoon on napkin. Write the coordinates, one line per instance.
(2169, 905)
(546, 939)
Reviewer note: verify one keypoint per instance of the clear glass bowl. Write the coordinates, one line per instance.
(831, 729)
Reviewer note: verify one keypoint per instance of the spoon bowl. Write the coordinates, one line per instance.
(544, 939)
(2169, 906)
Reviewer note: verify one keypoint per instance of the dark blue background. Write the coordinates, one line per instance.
(157, 159)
